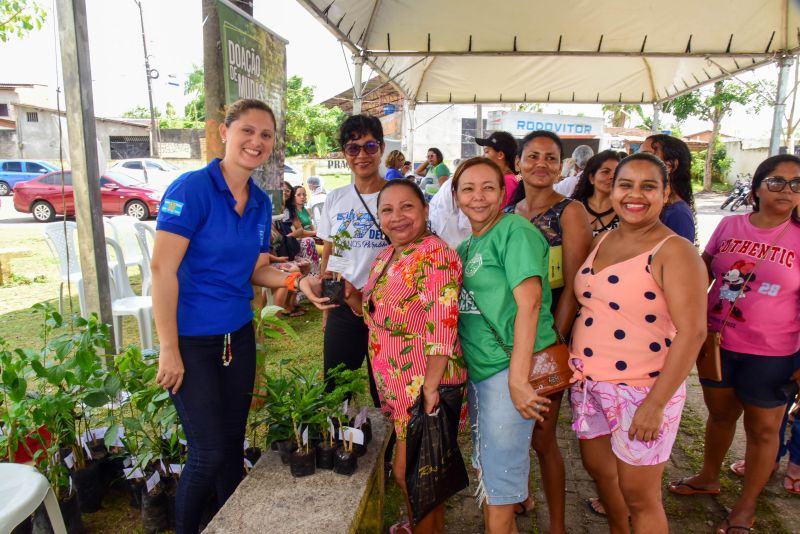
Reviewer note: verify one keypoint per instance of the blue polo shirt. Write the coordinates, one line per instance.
(214, 290)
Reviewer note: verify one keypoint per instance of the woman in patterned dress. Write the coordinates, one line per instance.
(410, 305)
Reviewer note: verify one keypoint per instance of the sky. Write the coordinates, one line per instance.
(174, 42)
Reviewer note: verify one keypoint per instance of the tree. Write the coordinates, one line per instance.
(195, 110)
(20, 17)
(141, 112)
(712, 107)
(306, 121)
(621, 113)
(530, 108)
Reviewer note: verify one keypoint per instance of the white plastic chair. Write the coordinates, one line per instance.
(146, 237)
(124, 302)
(125, 232)
(22, 490)
(65, 250)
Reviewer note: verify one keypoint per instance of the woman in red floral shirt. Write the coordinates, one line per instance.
(410, 305)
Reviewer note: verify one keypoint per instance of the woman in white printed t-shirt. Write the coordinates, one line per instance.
(350, 214)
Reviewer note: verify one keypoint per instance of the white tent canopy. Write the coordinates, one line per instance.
(583, 51)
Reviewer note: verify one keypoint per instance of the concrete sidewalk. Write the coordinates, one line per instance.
(779, 512)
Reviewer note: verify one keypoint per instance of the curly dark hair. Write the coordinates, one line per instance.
(585, 188)
(357, 126)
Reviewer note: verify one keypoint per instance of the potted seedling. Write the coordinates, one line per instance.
(77, 385)
(333, 288)
(345, 460)
(306, 400)
(278, 416)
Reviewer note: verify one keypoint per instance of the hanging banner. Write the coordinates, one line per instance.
(254, 66)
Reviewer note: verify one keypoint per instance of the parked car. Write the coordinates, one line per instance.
(14, 171)
(120, 194)
(156, 173)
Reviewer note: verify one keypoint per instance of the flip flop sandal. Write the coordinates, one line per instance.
(403, 527)
(793, 481)
(727, 529)
(681, 487)
(738, 467)
(593, 503)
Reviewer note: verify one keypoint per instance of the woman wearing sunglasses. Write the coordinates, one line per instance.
(350, 216)
(754, 303)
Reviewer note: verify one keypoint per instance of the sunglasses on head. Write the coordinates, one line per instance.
(776, 184)
(354, 149)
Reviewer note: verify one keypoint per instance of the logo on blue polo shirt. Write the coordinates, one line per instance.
(261, 231)
(173, 207)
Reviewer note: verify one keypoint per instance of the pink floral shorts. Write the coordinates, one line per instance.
(603, 408)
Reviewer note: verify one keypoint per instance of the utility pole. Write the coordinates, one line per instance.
(151, 75)
(72, 32)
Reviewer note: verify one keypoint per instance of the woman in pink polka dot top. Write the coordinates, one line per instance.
(641, 324)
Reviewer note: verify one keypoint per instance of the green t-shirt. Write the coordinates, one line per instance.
(305, 218)
(438, 171)
(510, 252)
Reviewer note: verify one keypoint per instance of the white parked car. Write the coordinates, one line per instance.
(155, 173)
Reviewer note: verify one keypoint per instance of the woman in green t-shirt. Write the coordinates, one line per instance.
(504, 317)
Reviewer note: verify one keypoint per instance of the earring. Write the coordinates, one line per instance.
(223, 140)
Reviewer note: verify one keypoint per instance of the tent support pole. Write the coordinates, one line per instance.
(358, 62)
(478, 120)
(784, 66)
(407, 145)
(656, 117)
(73, 31)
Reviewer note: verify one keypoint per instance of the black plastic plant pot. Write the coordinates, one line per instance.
(344, 463)
(302, 463)
(89, 485)
(333, 289)
(170, 484)
(25, 527)
(252, 454)
(99, 450)
(155, 511)
(135, 486)
(325, 452)
(70, 512)
(112, 469)
(286, 448)
(366, 428)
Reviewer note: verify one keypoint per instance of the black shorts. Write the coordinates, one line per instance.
(763, 381)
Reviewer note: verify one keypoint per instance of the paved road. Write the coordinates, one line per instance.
(11, 219)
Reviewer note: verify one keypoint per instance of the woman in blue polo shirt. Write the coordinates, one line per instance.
(212, 243)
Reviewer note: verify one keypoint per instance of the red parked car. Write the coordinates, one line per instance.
(120, 194)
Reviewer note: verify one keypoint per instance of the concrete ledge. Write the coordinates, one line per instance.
(270, 500)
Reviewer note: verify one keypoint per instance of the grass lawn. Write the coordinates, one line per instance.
(332, 181)
(716, 187)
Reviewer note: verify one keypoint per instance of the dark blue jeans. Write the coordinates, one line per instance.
(212, 404)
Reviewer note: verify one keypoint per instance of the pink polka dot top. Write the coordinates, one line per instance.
(623, 330)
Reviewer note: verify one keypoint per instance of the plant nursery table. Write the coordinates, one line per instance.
(270, 500)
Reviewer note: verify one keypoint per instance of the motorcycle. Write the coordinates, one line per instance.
(738, 195)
